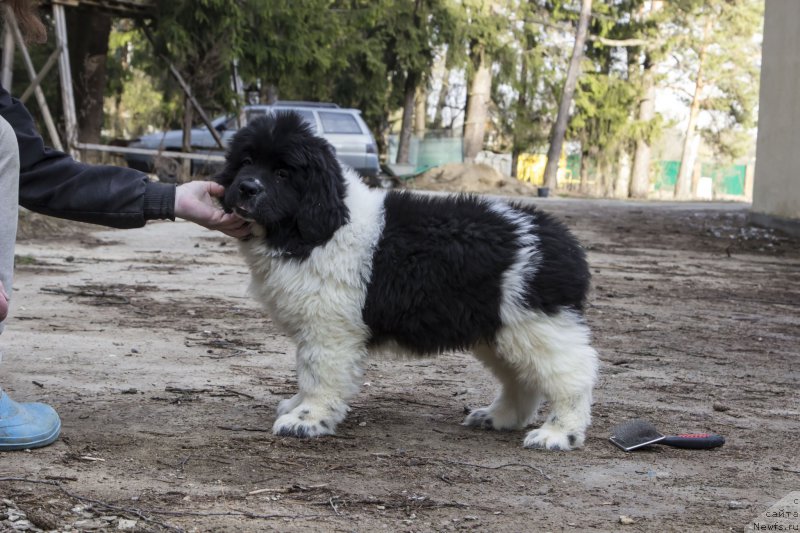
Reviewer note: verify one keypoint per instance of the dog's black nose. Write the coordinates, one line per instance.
(250, 187)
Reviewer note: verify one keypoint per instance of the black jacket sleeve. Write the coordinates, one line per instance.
(52, 183)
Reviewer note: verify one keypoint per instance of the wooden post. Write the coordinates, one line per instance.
(8, 58)
(238, 88)
(188, 92)
(559, 129)
(65, 73)
(11, 22)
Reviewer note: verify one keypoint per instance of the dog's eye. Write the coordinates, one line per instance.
(246, 161)
(282, 173)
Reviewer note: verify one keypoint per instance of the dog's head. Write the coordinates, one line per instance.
(281, 176)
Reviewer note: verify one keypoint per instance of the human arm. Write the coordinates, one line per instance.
(52, 183)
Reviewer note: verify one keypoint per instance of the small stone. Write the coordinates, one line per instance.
(362, 424)
(721, 407)
(626, 520)
(126, 525)
(733, 504)
(89, 524)
(43, 519)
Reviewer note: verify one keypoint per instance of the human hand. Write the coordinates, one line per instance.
(194, 201)
(3, 302)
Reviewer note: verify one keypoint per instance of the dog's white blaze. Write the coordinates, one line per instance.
(525, 266)
(319, 301)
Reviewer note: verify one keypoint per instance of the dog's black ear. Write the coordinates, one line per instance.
(322, 209)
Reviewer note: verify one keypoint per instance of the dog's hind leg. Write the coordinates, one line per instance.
(518, 401)
(328, 376)
(553, 351)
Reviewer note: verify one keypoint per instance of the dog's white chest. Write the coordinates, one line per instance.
(328, 287)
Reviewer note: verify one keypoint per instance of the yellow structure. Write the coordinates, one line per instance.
(530, 168)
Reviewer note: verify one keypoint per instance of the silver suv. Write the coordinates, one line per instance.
(343, 128)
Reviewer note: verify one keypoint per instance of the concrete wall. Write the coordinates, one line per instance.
(776, 192)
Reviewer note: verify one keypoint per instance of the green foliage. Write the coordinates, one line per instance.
(133, 94)
(605, 119)
(602, 118)
(728, 73)
(525, 88)
(202, 38)
(360, 53)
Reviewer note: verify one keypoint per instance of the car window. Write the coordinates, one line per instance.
(339, 123)
(253, 114)
(308, 117)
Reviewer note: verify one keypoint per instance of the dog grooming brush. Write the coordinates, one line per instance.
(638, 433)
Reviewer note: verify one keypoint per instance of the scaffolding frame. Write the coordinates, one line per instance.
(12, 37)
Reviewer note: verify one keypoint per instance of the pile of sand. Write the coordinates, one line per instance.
(466, 177)
(36, 226)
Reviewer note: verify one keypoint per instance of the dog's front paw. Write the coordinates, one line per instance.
(553, 439)
(479, 418)
(303, 422)
(492, 417)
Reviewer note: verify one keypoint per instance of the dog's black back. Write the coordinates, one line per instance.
(438, 270)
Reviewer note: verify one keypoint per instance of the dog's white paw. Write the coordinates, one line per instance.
(551, 438)
(303, 422)
(489, 418)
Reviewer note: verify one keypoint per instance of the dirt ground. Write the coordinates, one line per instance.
(166, 376)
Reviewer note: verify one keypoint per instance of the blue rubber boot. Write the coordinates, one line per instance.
(26, 425)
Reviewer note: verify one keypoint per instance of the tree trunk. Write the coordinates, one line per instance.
(438, 120)
(584, 186)
(88, 49)
(622, 175)
(269, 94)
(522, 104)
(560, 126)
(186, 144)
(640, 174)
(477, 108)
(608, 179)
(683, 187)
(420, 113)
(404, 143)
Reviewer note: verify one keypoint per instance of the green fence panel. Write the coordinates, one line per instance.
(667, 175)
(574, 166)
(436, 152)
(728, 180)
(430, 151)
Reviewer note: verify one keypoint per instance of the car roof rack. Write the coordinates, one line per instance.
(301, 103)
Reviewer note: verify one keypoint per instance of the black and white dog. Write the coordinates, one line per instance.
(346, 270)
